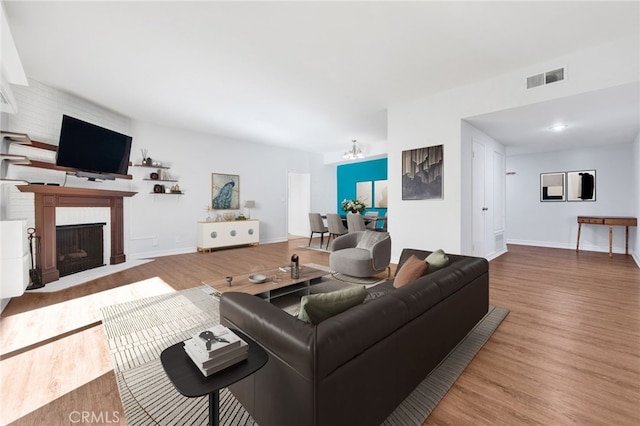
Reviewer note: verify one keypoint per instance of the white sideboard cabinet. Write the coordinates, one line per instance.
(212, 235)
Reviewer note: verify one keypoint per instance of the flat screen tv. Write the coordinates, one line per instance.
(95, 152)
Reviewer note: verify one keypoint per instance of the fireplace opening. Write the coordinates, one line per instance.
(79, 247)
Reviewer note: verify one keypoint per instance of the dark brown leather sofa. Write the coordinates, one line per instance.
(355, 368)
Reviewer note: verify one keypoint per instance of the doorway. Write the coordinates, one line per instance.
(478, 206)
(298, 204)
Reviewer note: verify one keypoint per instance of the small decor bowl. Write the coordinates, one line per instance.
(229, 216)
(257, 278)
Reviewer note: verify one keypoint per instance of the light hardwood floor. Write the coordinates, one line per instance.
(567, 353)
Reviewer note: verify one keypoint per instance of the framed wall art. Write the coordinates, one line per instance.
(363, 192)
(380, 198)
(225, 191)
(422, 173)
(552, 187)
(581, 185)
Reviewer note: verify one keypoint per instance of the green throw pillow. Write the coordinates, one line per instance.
(437, 260)
(318, 307)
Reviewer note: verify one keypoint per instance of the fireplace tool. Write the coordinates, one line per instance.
(35, 279)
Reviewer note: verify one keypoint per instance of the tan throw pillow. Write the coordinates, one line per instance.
(412, 269)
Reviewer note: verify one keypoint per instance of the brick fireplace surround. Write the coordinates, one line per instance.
(48, 197)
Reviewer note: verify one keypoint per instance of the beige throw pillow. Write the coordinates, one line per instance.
(437, 260)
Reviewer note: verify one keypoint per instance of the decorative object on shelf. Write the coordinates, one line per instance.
(175, 189)
(158, 189)
(154, 176)
(354, 153)
(249, 204)
(144, 151)
(353, 206)
(241, 217)
(229, 216)
(422, 173)
(225, 191)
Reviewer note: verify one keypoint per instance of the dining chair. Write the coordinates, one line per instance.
(335, 225)
(355, 222)
(317, 227)
(371, 220)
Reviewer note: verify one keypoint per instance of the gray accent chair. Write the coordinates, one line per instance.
(336, 227)
(361, 254)
(372, 220)
(355, 222)
(317, 227)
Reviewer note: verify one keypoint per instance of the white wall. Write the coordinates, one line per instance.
(163, 224)
(435, 120)
(554, 224)
(166, 224)
(636, 185)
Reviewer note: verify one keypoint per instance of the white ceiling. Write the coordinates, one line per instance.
(600, 117)
(311, 75)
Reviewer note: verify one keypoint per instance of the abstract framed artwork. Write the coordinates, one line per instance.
(363, 192)
(225, 191)
(380, 194)
(552, 187)
(422, 173)
(581, 185)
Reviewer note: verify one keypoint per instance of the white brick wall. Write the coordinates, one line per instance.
(40, 110)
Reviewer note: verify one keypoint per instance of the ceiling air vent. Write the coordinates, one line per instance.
(546, 78)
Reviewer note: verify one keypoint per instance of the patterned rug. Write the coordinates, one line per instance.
(138, 331)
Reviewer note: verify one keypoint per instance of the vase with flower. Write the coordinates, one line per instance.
(354, 206)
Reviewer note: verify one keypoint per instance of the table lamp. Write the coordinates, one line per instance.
(249, 204)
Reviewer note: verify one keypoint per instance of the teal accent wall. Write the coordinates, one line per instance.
(349, 174)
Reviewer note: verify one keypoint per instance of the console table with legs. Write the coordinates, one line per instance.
(610, 221)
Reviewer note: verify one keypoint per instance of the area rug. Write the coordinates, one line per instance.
(316, 247)
(138, 331)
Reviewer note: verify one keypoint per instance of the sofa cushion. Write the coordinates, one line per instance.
(379, 290)
(437, 260)
(315, 308)
(410, 270)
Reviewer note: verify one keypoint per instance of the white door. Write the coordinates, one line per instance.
(299, 204)
(479, 207)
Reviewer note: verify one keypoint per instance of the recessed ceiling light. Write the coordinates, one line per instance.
(558, 127)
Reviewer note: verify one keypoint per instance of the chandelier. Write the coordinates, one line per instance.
(354, 153)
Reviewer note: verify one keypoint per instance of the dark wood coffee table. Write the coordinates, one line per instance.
(190, 381)
(271, 288)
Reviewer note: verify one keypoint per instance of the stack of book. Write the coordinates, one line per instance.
(215, 349)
